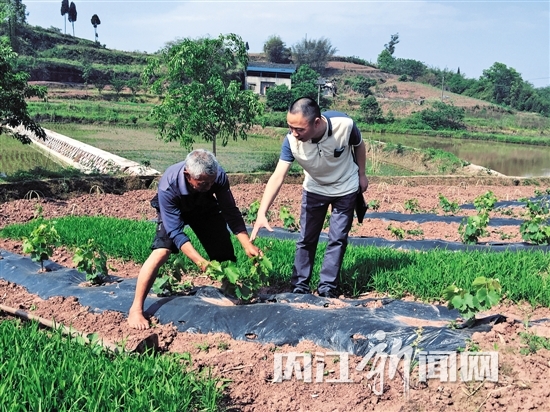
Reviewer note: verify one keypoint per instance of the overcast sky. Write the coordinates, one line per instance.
(471, 35)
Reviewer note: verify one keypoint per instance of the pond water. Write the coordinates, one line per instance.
(509, 159)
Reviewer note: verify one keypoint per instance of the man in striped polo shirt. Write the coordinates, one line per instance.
(332, 153)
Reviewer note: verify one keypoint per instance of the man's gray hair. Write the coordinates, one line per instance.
(201, 162)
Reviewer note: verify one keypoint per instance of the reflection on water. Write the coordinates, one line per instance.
(509, 159)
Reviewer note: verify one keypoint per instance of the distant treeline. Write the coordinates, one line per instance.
(498, 84)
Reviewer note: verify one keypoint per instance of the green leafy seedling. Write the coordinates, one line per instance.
(484, 294)
(243, 284)
(397, 232)
(251, 214)
(41, 242)
(92, 261)
(473, 228)
(169, 283)
(412, 205)
(534, 228)
(447, 206)
(485, 202)
(373, 204)
(289, 221)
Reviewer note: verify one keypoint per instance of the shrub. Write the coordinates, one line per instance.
(279, 97)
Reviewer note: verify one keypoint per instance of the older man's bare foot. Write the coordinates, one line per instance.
(136, 320)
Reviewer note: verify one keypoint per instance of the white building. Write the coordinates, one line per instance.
(261, 75)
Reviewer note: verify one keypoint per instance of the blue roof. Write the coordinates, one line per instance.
(252, 67)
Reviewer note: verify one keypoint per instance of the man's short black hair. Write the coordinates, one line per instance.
(307, 107)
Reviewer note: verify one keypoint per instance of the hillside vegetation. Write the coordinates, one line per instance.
(90, 84)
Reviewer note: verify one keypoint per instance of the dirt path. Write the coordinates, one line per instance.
(523, 379)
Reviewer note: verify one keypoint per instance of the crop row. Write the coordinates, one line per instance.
(522, 274)
(52, 372)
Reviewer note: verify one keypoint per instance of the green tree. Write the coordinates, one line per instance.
(371, 111)
(276, 51)
(95, 23)
(72, 14)
(439, 116)
(14, 89)
(134, 84)
(14, 15)
(409, 67)
(361, 84)
(503, 82)
(390, 47)
(279, 97)
(304, 83)
(65, 11)
(117, 84)
(314, 53)
(386, 62)
(203, 96)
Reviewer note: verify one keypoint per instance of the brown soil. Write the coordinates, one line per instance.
(522, 381)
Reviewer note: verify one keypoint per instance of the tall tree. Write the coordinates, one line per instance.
(304, 82)
(276, 51)
(14, 89)
(95, 22)
(72, 14)
(14, 16)
(65, 11)
(203, 96)
(314, 53)
(390, 47)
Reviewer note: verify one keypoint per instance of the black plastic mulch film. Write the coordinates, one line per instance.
(285, 318)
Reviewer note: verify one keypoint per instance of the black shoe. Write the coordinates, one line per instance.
(332, 294)
(301, 291)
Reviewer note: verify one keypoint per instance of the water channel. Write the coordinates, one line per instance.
(509, 159)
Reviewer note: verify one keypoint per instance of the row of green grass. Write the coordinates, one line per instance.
(401, 128)
(523, 274)
(47, 371)
(89, 112)
(16, 157)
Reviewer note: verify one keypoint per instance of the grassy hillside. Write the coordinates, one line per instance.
(49, 55)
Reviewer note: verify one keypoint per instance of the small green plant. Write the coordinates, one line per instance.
(397, 232)
(535, 229)
(92, 261)
(41, 242)
(448, 206)
(251, 214)
(238, 281)
(222, 346)
(412, 206)
(415, 232)
(484, 294)
(533, 342)
(169, 282)
(503, 235)
(289, 221)
(473, 228)
(505, 211)
(485, 202)
(373, 204)
(204, 347)
(38, 210)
